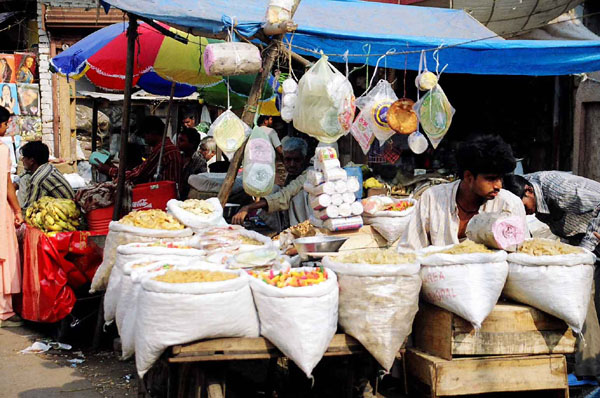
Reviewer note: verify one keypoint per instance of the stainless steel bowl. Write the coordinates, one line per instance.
(317, 244)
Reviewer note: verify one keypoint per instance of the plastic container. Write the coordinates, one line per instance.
(153, 195)
(99, 219)
(356, 172)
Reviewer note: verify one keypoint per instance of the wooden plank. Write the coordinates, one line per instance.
(251, 348)
(432, 330)
(509, 329)
(463, 376)
(420, 367)
(530, 342)
(512, 317)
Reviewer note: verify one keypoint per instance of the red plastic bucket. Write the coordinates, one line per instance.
(99, 219)
(153, 195)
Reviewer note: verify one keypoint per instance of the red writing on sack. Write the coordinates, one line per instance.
(440, 295)
(433, 277)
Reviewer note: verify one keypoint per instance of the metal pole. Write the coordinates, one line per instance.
(164, 138)
(131, 37)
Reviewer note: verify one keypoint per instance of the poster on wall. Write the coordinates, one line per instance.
(26, 67)
(29, 99)
(30, 128)
(9, 99)
(7, 68)
(13, 126)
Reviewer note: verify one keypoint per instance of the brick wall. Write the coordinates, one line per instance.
(45, 82)
(44, 65)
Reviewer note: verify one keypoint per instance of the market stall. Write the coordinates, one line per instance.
(183, 285)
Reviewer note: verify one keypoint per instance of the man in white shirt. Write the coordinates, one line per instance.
(208, 150)
(266, 122)
(443, 212)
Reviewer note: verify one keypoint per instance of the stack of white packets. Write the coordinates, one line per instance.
(332, 193)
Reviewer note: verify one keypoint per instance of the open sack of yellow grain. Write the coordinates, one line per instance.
(126, 309)
(181, 305)
(465, 279)
(184, 249)
(379, 297)
(197, 214)
(137, 226)
(553, 277)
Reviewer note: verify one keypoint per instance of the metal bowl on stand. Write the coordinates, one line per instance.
(310, 246)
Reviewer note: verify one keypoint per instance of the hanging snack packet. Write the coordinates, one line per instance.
(374, 107)
(259, 164)
(435, 114)
(229, 131)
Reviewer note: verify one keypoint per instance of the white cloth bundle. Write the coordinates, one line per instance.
(231, 58)
(497, 230)
(319, 202)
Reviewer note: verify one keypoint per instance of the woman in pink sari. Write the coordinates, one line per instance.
(10, 216)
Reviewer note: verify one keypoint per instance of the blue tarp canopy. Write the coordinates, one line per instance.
(366, 30)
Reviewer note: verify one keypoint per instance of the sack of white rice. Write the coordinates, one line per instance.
(465, 279)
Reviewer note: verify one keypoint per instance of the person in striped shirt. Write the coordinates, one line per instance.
(45, 179)
(570, 205)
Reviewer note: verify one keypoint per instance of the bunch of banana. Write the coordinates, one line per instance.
(51, 214)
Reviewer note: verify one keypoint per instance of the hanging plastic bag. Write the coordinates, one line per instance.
(325, 105)
(231, 58)
(229, 131)
(259, 164)
(362, 133)
(279, 11)
(435, 114)
(417, 142)
(374, 107)
(289, 99)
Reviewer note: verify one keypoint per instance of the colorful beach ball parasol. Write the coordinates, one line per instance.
(158, 61)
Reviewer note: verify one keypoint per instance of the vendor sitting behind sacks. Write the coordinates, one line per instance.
(443, 212)
(43, 178)
(292, 196)
(171, 164)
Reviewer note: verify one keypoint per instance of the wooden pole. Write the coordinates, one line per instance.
(164, 137)
(270, 55)
(94, 124)
(131, 37)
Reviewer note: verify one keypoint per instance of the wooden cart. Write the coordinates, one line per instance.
(195, 369)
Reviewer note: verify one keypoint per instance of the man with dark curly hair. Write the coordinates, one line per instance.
(443, 212)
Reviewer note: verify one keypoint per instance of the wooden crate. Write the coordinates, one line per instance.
(510, 329)
(251, 348)
(479, 375)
